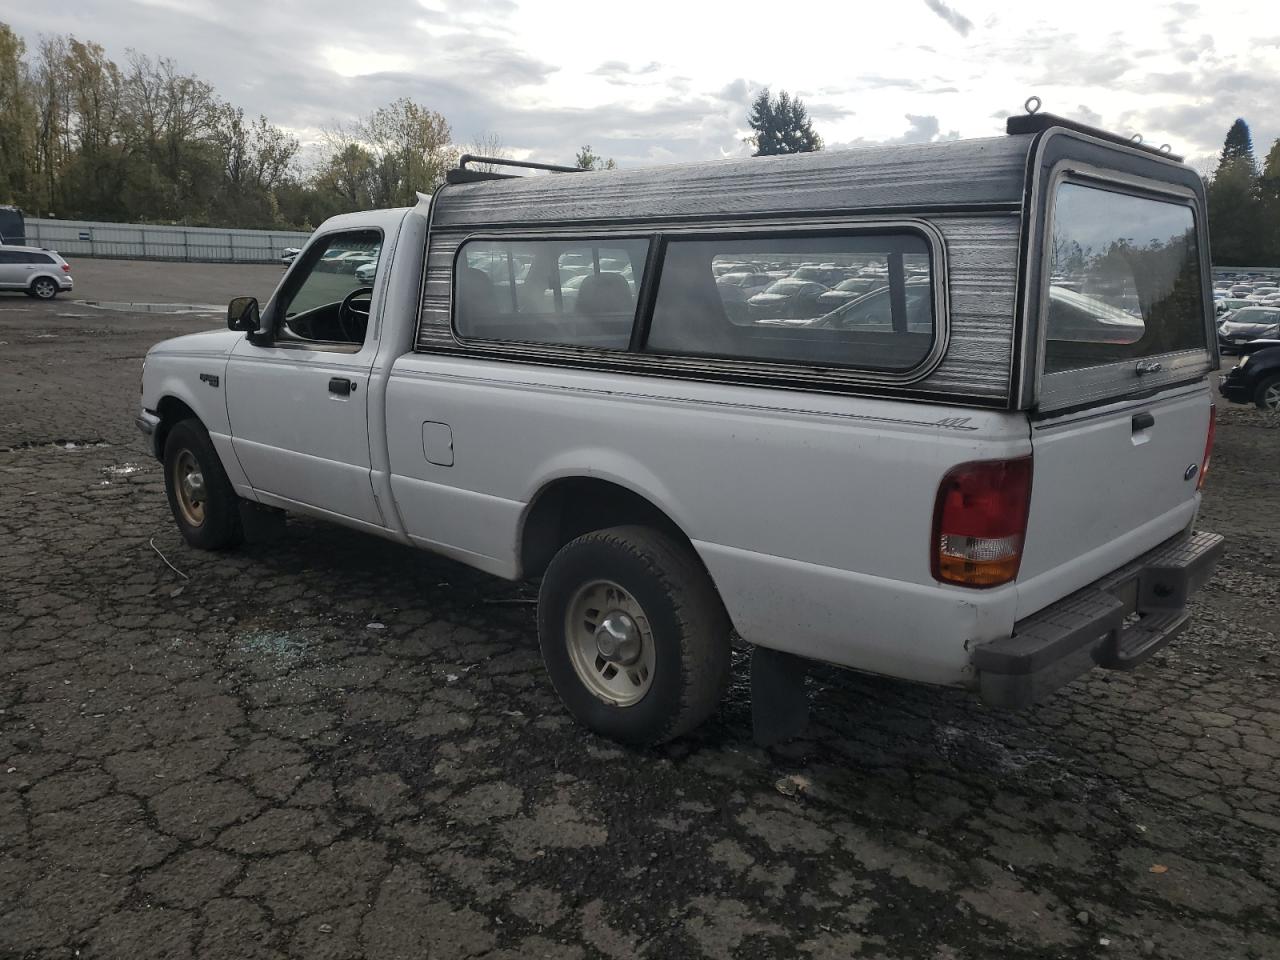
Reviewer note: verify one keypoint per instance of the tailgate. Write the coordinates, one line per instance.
(1110, 483)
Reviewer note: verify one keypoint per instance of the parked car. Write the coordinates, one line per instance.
(366, 271)
(1241, 289)
(1225, 308)
(874, 310)
(846, 290)
(346, 261)
(670, 479)
(736, 289)
(290, 253)
(1256, 378)
(1244, 325)
(788, 299)
(36, 271)
(827, 274)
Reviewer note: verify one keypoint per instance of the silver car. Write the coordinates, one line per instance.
(38, 272)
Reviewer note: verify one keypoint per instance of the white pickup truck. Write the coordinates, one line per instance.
(938, 412)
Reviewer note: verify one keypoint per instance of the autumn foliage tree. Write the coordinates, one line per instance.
(84, 137)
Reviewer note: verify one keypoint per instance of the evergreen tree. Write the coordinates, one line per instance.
(1236, 224)
(781, 125)
(1269, 199)
(1238, 147)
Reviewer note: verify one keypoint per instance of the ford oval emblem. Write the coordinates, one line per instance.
(1191, 471)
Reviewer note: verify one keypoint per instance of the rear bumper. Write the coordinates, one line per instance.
(1116, 622)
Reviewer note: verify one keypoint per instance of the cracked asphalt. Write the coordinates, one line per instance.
(328, 746)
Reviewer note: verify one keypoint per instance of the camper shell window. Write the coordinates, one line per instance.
(862, 299)
(1124, 278)
(571, 292)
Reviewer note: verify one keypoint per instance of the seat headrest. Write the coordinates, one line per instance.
(476, 296)
(604, 293)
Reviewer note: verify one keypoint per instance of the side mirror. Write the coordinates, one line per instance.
(242, 314)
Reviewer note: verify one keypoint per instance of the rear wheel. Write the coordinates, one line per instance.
(42, 288)
(633, 634)
(1267, 394)
(203, 502)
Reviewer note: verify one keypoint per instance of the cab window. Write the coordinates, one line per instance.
(326, 302)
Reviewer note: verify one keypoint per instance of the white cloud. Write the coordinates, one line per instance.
(672, 82)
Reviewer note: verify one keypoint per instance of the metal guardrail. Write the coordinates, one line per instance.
(143, 241)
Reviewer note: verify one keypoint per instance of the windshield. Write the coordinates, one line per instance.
(1125, 279)
(1255, 315)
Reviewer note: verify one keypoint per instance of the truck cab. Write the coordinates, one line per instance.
(981, 469)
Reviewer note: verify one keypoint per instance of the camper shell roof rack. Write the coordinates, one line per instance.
(1033, 121)
(461, 174)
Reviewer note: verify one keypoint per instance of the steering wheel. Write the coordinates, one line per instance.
(352, 320)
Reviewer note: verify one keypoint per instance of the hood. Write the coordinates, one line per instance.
(206, 343)
(1240, 327)
(1258, 345)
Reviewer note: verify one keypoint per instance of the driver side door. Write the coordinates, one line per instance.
(298, 399)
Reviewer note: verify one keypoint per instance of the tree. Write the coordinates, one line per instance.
(487, 144)
(1269, 198)
(166, 129)
(1238, 147)
(587, 159)
(411, 150)
(255, 157)
(17, 119)
(1236, 225)
(781, 125)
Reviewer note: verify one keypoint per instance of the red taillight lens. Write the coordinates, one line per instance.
(979, 522)
(66, 268)
(1208, 445)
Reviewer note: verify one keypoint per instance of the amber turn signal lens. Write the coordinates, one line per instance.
(980, 522)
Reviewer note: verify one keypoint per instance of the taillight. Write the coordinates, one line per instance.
(1208, 445)
(66, 268)
(980, 521)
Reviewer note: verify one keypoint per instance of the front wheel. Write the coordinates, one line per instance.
(1267, 395)
(203, 502)
(633, 634)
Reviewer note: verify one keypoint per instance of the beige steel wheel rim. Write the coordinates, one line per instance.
(188, 485)
(610, 643)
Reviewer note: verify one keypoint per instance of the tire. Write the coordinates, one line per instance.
(671, 665)
(42, 288)
(209, 514)
(1267, 394)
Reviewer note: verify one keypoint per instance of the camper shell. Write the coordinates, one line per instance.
(982, 205)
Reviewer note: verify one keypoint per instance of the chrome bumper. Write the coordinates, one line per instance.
(147, 422)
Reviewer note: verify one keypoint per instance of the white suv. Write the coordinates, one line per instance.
(39, 272)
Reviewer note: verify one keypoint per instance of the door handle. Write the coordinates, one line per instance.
(341, 386)
(1143, 421)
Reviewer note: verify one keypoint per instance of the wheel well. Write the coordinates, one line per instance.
(566, 509)
(171, 410)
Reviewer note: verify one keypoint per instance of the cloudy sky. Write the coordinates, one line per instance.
(656, 81)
